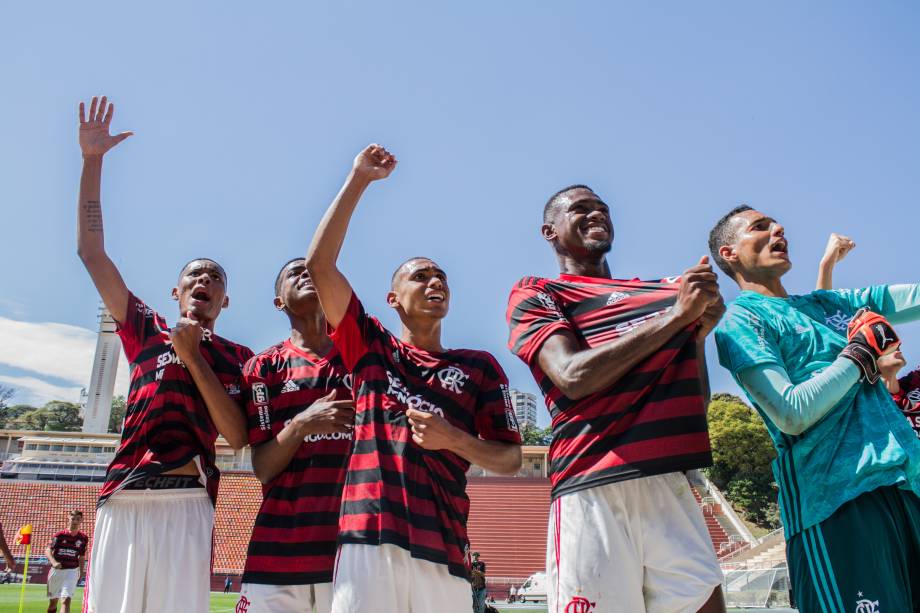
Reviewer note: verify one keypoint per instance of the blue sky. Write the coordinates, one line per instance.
(247, 119)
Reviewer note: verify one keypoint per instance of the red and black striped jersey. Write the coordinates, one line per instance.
(167, 423)
(68, 548)
(651, 421)
(908, 398)
(294, 538)
(395, 491)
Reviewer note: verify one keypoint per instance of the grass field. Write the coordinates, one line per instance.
(36, 602)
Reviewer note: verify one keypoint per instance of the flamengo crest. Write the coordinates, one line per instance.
(452, 378)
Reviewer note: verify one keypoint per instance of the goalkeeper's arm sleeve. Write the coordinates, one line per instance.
(795, 408)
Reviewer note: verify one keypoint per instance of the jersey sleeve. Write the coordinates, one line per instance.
(140, 323)
(533, 315)
(495, 420)
(81, 550)
(355, 333)
(876, 297)
(258, 401)
(745, 339)
(52, 544)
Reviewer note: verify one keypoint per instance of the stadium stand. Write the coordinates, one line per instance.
(508, 521)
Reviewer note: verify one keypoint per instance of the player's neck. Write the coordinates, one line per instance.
(208, 324)
(424, 335)
(587, 267)
(309, 333)
(769, 286)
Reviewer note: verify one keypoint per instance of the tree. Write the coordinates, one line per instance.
(742, 453)
(531, 435)
(10, 414)
(117, 416)
(55, 416)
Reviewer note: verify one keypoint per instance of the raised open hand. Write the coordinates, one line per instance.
(374, 163)
(95, 139)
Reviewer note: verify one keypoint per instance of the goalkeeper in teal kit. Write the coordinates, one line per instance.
(848, 463)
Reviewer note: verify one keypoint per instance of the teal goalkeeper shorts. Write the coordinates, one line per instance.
(865, 558)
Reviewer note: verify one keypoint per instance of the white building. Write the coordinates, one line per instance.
(525, 407)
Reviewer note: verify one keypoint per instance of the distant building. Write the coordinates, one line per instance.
(525, 407)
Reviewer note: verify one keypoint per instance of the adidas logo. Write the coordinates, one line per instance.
(290, 386)
(616, 297)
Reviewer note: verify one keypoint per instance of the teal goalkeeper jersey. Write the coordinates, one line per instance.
(861, 444)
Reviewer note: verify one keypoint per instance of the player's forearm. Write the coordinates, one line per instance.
(825, 274)
(90, 238)
(902, 303)
(272, 457)
(795, 408)
(494, 456)
(593, 370)
(331, 285)
(50, 556)
(226, 414)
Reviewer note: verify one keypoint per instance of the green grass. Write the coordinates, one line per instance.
(37, 602)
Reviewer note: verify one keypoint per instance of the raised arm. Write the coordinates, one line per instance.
(838, 246)
(333, 288)
(580, 372)
(95, 141)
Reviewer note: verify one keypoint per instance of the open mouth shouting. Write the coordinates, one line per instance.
(780, 248)
(201, 296)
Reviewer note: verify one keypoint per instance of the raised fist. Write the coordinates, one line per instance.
(374, 163)
(838, 246)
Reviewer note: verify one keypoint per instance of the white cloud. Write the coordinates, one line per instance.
(33, 391)
(55, 350)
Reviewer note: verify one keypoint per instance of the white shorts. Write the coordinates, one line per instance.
(151, 553)
(386, 579)
(261, 598)
(62, 582)
(638, 546)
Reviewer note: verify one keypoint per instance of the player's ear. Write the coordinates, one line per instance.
(279, 303)
(175, 293)
(728, 253)
(548, 231)
(226, 303)
(392, 299)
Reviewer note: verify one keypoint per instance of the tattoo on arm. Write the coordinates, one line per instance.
(92, 214)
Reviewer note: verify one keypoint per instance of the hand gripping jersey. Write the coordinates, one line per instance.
(908, 399)
(294, 538)
(395, 491)
(67, 548)
(650, 422)
(167, 423)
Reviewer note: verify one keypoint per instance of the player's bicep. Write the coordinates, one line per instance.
(334, 293)
(109, 284)
(556, 352)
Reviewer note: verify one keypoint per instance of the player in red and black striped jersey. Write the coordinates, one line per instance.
(905, 390)
(153, 528)
(301, 418)
(66, 553)
(622, 370)
(423, 414)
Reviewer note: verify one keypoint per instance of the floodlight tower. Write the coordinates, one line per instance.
(102, 381)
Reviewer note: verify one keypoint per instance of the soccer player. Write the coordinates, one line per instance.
(301, 418)
(67, 554)
(152, 548)
(5, 550)
(622, 370)
(423, 414)
(848, 465)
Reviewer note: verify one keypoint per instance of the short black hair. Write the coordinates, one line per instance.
(76, 512)
(553, 200)
(722, 234)
(404, 262)
(278, 277)
(219, 267)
